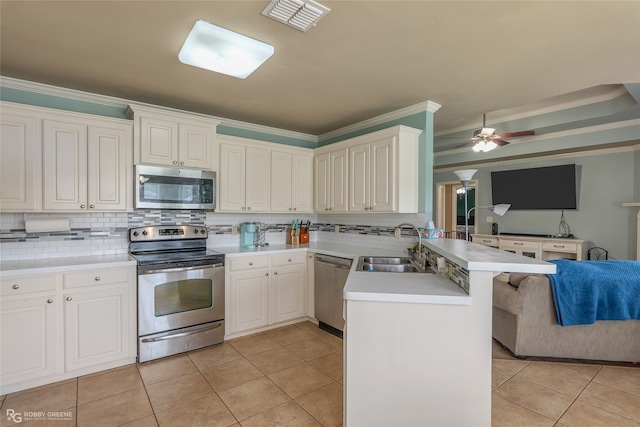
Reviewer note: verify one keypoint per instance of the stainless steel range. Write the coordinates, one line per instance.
(180, 290)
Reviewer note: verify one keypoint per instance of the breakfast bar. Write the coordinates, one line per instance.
(424, 357)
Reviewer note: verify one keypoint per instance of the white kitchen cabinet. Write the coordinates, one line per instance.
(173, 139)
(96, 327)
(29, 335)
(291, 176)
(264, 290)
(20, 160)
(382, 173)
(61, 325)
(331, 181)
(86, 166)
(244, 178)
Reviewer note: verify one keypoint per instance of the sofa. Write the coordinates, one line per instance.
(524, 321)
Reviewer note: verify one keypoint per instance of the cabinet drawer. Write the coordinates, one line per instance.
(559, 247)
(21, 285)
(102, 277)
(247, 263)
(287, 259)
(519, 244)
(486, 241)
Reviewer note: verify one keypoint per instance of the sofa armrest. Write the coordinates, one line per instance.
(506, 297)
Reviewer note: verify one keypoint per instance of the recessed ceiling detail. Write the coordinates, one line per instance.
(300, 14)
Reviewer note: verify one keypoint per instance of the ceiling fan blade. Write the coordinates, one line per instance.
(515, 134)
(500, 142)
(466, 144)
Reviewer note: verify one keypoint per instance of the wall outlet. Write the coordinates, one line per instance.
(489, 219)
(337, 228)
(234, 229)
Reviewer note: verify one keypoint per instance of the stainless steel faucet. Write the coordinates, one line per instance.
(417, 231)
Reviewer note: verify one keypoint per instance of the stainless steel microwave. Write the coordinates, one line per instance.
(170, 188)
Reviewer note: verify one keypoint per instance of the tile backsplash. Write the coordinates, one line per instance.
(105, 233)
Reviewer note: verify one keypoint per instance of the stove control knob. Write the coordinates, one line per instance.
(195, 231)
(135, 233)
(202, 231)
(144, 233)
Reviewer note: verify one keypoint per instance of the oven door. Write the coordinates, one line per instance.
(179, 297)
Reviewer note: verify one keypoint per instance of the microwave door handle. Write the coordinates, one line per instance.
(171, 270)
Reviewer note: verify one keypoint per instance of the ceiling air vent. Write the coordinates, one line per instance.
(300, 14)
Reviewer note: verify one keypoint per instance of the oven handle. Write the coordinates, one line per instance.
(171, 270)
(182, 334)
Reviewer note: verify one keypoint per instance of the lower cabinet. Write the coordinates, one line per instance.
(59, 326)
(264, 290)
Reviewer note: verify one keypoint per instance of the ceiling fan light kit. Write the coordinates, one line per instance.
(486, 139)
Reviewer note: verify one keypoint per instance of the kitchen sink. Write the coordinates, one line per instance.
(390, 265)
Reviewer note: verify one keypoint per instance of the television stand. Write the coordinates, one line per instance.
(535, 246)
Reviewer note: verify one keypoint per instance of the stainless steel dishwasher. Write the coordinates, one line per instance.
(330, 275)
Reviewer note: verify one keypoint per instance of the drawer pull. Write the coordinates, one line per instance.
(16, 286)
(289, 259)
(486, 241)
(275, 273)
(250, 263)
(518, 243)
(558, 246)
(83, 206)
(97, 279)
(50, 301)
(266, 274)
(69, 298)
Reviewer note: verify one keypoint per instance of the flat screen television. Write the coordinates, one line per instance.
(552, 187)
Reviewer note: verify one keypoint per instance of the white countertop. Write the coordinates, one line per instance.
(56, 265)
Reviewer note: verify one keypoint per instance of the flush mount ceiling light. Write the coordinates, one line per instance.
(223, 51)
(300, 14)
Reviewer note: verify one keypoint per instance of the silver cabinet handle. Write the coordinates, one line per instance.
(182, 334)
(250, 263)
(182, 163)
(244, 209)
(175, 162)
(83, 206)
(97, 279)
(275, 273)
(16, 286)
(290, 209)
(558, 246)
(50, 301)
(69, 298)
(172, 270)
(266, 274)
(289, 260)
(295, 209)
(92, 206)
(249, 208)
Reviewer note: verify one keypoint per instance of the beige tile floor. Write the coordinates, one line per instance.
(292, 376)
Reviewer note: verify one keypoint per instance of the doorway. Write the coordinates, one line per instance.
(450, 212)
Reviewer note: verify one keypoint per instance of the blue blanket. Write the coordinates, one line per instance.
(586, 291)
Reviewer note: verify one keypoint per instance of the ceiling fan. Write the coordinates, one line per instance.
(486, 139)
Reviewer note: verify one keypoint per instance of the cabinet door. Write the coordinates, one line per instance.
(20, 163)
(158, 142)
(257, 180)
(195, 146)
(287, 292)
(109, 169)
(28, 338)
(96, 327)
(281, 182)
(322, 183)
(249, 300)
(301, 186)
(65, 166)
(339, 161)
(359, 178)
(382, 175)
(232, 178)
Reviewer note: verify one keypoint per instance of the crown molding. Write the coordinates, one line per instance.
(428, 106)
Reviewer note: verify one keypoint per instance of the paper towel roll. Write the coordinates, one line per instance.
(47, 225)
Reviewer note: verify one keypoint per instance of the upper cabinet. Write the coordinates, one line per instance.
(20, 161)
(381, 173)
(173, 139)
(291, 181)
(244, 177)
(64, 161)
(331, 181)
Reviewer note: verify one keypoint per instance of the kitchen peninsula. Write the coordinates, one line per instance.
(416, 360)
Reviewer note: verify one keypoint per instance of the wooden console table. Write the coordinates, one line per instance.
(544, 248)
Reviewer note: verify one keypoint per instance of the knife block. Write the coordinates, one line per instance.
(292, 239)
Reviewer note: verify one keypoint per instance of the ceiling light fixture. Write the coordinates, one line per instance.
(223, 51)
(300, 14)
(484, 145)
